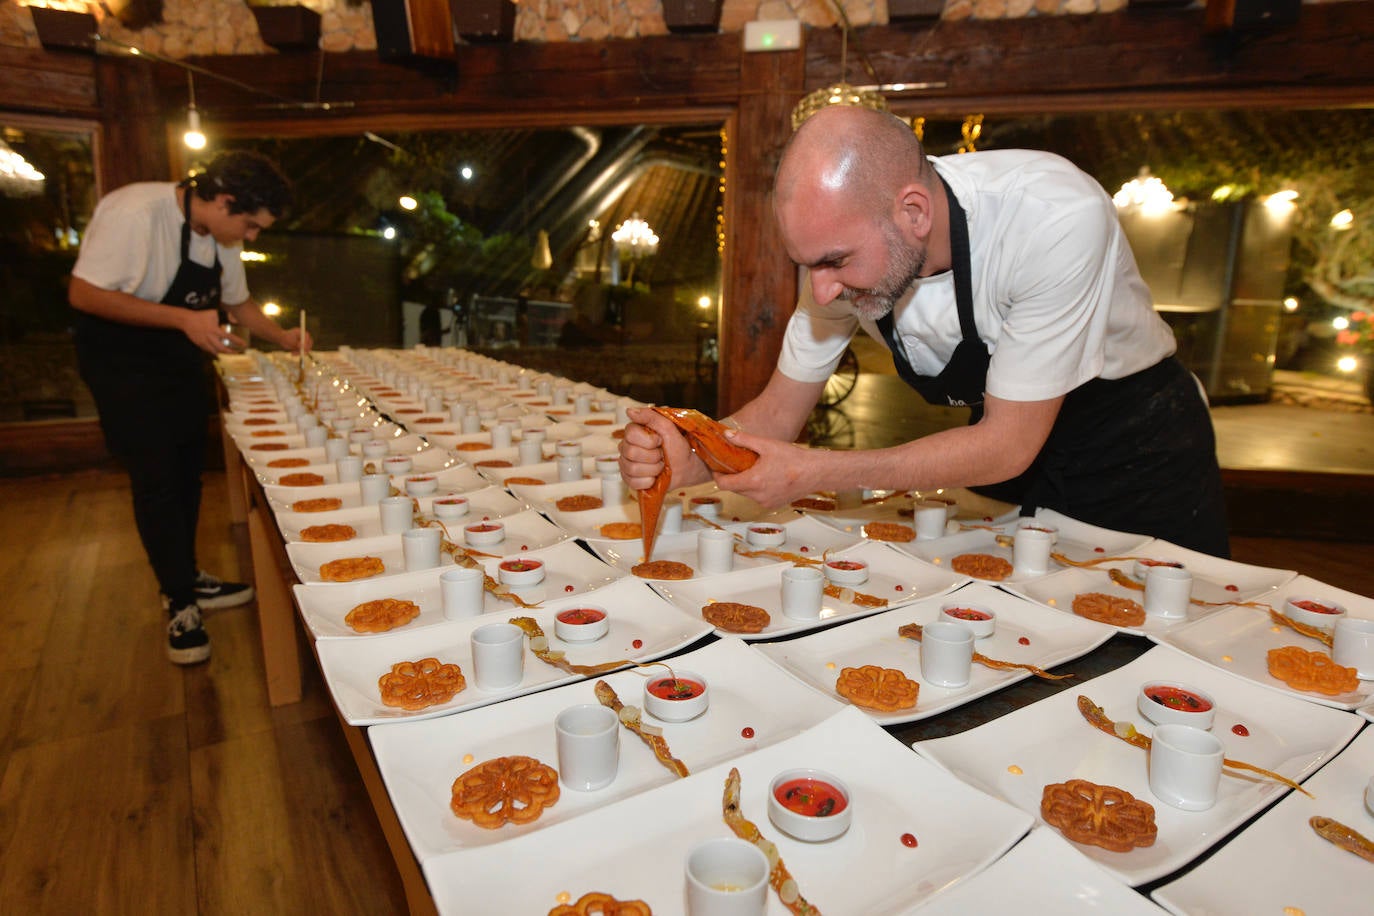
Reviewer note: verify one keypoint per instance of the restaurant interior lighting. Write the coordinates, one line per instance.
(1281, 200)
(1347, 364)
(389, 233)
(271, 309)
(18, 177)
(1290, 304)
(635, 238)
(194, 138)
(1144, 192)
(407, 202)
(466, 172)
(1343, 220)
(257, 256)
(1340, 322)
(704, 302)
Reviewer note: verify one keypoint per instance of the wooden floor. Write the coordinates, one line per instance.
(128, 785)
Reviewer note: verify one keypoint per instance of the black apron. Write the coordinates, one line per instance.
(146, 380)
(1133, 454)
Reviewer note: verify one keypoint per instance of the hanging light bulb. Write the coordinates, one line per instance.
(194, 138)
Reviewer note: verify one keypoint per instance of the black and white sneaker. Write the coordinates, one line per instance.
(214, 592)
(187, 641)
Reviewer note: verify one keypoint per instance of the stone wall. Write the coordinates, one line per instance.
(208, 27)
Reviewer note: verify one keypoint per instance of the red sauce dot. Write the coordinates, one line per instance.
(1233, 588)
(736, 519)
(908, 841)
(638, 644)
(746, 732)
(1240, 730)
(1024, 641)
(524, 546)
(569, 588)
(805, 549)
(897, 588)
(1099, 550)
(987, 518)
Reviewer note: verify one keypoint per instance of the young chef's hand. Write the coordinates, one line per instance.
(784, 472)
(291, 341)
(202, 328)
(642, 451)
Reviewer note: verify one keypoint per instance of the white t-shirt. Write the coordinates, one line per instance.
(1057, 296)
(133, 245)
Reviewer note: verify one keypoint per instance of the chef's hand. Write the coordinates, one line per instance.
(784, 471)
(291, 340)
(203, 329)
(642, 450)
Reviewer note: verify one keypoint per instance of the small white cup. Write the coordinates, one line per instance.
(946, 654)
(569, 468)
(472, 423)
(1185, 766)
(706, 506)
(350, 468)
(607, 465)
(582, 403)
(1167, 590)
(420, 547)
(421, 484)
(801, 592)
(334, 449)
(397, 464)
(622, 413)
(765, 535)
(726, 876)
(433, 403)
(588, 737)
(529, 450)
(614, 490)
(715, 551)
(398, 514)
(373, 488)
(462, 591)
(670, 520)
(485, 533)
(1353, 645)
(316, 436)
(500, 436)
(376, 448)
(457, 411)
(359, 436)
(498, 656)
(447, 507)
(307, 421)
(344, 424)
(1030, 551)
(930, 518)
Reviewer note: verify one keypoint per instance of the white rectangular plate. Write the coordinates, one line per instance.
(805, 537)
(1077, 541)
(491, 502)
(351, 667)
(571, 571)
(635, 849)
(892, 575)
(1051, 742)
(1043, 874)
(1053, 640)
(457, 479)
(1238, 639)
(420, 760)
(527, 530)
(1215, 581)
(1279, 861)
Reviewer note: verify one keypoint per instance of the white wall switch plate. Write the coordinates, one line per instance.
(772, 35)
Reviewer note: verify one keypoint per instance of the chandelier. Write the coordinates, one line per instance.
(1145, 192)
(18, 178)
(634, 238)
(841, 93)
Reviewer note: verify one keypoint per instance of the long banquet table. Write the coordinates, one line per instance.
(953, 827)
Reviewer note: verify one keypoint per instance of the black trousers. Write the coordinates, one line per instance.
(153, 399)
(1136, 454)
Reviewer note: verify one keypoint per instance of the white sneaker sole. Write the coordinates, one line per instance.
(192, 656)
(223, 601)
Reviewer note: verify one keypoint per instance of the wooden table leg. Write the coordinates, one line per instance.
(234, 469)
(412, 879)
(276, 613)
